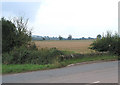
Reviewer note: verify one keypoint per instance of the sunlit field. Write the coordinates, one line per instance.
(78, 46)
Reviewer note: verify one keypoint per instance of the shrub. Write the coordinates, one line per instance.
(108, 43)
(26, 55)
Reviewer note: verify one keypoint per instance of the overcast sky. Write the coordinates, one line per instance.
(80, 18)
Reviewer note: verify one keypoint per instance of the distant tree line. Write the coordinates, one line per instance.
(59, 38)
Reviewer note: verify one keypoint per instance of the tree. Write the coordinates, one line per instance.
(83, 38)
(43, 38)
(70, 37)
(14, 34)
(99, 36)
(60, 38)
(23, 35)
(8, 35)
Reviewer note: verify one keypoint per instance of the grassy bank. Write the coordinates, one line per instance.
(87, 59)
(33, 67)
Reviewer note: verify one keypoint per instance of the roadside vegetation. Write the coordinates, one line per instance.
(20, 54)
(107, 43)
(17, 68)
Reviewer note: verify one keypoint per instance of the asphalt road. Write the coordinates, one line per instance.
(104, 72)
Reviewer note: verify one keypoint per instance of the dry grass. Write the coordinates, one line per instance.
(78, 46)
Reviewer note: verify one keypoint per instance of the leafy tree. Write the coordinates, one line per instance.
(99, 36)
(60, 38)
(83, 38)
(14, 33)
(8, 35)
(70, 37)
(43, 38)
(23, 35)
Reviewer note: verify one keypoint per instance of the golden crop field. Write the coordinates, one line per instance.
(79, 46)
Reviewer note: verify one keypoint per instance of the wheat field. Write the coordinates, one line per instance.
(78, 46)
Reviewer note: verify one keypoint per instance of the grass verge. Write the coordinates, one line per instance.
(26, 67)
(33, 67)
(87, 59)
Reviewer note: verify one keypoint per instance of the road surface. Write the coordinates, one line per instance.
(104, 72)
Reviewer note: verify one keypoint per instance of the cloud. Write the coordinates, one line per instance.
(76, 17)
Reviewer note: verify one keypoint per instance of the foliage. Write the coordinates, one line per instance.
(108, 43)
(60, 38)
(23, 35)
(70, 37)
(17, 68)
(99, 36)
(31, 55)
(8, 35)
(43, 38)
(14, 33)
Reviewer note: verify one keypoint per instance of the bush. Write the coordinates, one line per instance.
(26, 55)
(108, 43)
